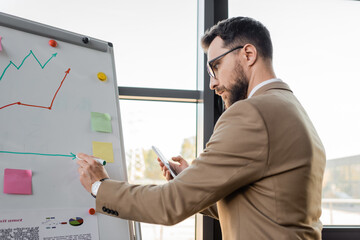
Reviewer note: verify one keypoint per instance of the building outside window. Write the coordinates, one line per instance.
(172, 128)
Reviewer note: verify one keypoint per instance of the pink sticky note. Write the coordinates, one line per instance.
(0, 45)
(17, 181)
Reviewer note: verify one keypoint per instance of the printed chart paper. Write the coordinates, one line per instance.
(49, 224)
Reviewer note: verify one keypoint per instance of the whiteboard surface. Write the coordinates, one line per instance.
(64, 129)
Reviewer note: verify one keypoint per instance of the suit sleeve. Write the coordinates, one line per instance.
(235, 156)
(211, 212)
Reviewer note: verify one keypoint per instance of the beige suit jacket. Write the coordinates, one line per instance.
(262, 167)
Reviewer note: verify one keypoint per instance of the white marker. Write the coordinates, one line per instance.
(99, 160)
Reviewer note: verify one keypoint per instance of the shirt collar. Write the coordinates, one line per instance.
(263, 84)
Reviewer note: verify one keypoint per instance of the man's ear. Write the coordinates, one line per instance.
(249, 54)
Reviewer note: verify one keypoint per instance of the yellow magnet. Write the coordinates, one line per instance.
(101, 76)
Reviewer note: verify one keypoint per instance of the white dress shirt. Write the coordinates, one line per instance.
(263, 84)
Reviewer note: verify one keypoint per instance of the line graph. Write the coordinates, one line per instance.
(38, 106)
(30, 54)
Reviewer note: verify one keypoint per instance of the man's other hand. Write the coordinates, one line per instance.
(179, 165)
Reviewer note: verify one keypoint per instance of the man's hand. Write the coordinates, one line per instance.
(90, 171)
(177, 167)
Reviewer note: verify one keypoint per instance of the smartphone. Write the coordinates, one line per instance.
(164, 161)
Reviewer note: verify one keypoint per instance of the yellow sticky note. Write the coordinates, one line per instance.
(103, 150)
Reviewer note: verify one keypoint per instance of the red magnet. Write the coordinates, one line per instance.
(92, 211)
(53, 43)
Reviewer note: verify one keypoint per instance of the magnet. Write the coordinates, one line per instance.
(101, 76)
(92, 211)
(53, 43)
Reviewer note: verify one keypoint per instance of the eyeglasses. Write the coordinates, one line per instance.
(209, 65)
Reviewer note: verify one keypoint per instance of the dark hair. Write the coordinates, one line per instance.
(240, 31)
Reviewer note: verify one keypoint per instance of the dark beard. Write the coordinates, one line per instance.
(240, 89)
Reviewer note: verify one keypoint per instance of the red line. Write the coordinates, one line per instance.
(10, 105)
(29, 105)
(67, 72)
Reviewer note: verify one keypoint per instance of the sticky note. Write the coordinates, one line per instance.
(103, 150)
(17, 181)
(101, 122)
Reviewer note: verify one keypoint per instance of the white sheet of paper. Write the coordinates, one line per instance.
(49, 224)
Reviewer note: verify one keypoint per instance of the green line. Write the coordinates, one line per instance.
(42, 154)
(31, 53)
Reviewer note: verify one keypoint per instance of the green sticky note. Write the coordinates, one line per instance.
(101, 122)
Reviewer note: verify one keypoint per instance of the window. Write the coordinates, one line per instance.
(316, 52)
(172, 128)
(154, 41)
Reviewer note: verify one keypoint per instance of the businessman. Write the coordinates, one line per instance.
(262, 169)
